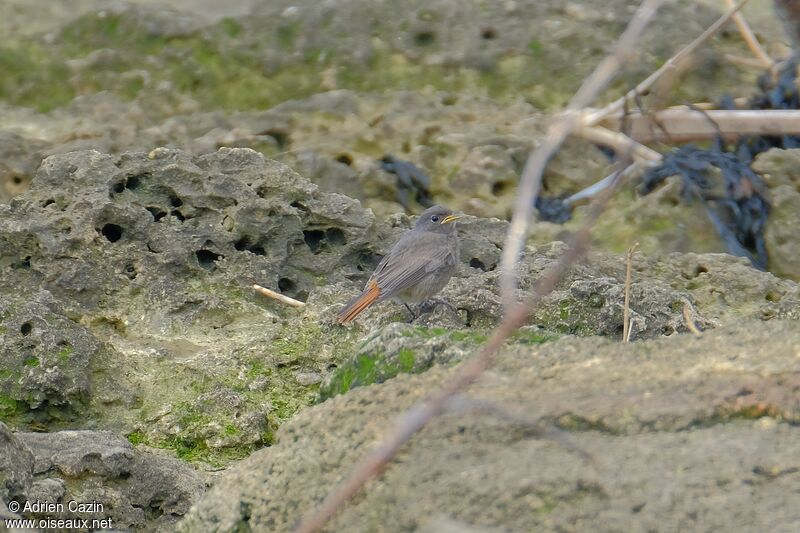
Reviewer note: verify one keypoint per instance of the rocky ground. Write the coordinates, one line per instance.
(156, 162)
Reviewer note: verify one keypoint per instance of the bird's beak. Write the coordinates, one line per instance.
(451, 218)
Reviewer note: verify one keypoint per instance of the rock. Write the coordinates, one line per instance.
(138, 312)
(134, 487)
(670, 425)
(16, 467)
(48, 357)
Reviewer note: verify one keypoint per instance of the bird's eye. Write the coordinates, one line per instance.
(435, 218)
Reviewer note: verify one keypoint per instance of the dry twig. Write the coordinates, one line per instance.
(679, 125)
(749, 37)
(688, 318)
(671, 64)
(278, 296)
(626, 324)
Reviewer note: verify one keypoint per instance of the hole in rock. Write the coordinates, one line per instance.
(177, 214)
(26, 328)
(313, 239)
(345, 159)
(500, 187)
(174, 201)
(286, 285)
(157, 213)
(477, 263)
(207, 258)
(112, 232)
(335, 236)
(133, 182)
(424, 38)
(488, 34)
(118, 187)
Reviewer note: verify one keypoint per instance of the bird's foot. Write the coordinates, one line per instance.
(428, 306)
(414, 315)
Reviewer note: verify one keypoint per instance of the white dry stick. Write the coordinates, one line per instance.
(278, 296)
(558, 131)
(680, 125)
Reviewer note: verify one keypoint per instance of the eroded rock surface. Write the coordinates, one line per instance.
(682, 433)
(135, 488)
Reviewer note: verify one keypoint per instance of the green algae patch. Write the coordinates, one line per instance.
(367, 369)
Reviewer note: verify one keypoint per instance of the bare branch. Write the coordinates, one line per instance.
(278, 296)
(558, 131)
(621, 143)
(671, 64)
(750, 38)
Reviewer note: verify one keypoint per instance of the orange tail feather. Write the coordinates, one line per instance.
(354, 308)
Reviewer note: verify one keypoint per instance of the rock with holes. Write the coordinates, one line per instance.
(135, 488)
(49, 364)
(136, 272)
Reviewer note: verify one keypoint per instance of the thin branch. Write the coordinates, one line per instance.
(626, 323)
(558, 131)
(278, 296)
(671, 64)
(750, 38)
(621, 143)
(680, 125)
(418, 416)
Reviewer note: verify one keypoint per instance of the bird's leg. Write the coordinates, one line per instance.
(429, 305)
(413, 314)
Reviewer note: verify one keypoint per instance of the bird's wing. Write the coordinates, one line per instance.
(410, 260)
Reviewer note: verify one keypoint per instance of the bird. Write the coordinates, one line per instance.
(417, 267)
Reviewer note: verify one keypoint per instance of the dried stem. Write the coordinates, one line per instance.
(626, 324)
(278, 296)
(621, 143)
(679, 125)
(688, 318)
(750, 38)
(671, 64)
(558, 131)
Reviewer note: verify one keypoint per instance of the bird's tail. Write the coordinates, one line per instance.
(358, 304)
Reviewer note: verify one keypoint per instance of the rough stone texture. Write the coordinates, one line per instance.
(683, 433)
(16, 467)
(138, 489)
(138, 309)
(47, 359)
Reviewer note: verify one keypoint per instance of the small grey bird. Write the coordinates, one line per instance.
(416, 268)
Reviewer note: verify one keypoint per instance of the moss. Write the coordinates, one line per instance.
(136, 438)
(31, 362)
(533, 337)
(405, 360)
(9, 407)
(65, 353)
(568, 317)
